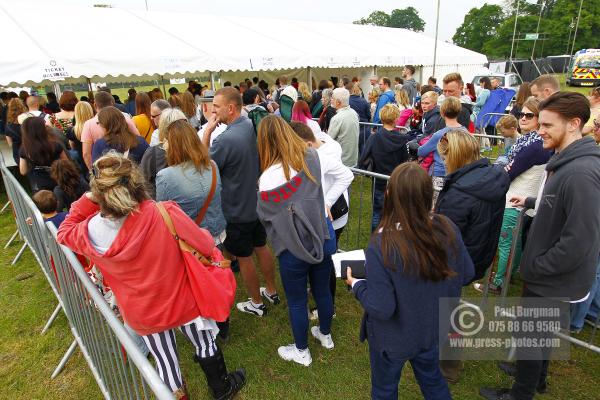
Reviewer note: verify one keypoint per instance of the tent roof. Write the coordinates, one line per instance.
(102, 42)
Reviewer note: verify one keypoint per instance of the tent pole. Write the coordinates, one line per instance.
(163, 85)
(309, 78)
(212, 80)
(89, 84)
(57, 91)
(374, 70)
(437, 24)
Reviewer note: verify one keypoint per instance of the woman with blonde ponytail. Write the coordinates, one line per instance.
(122, 232)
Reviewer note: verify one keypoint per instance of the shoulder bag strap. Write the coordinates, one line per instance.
(211, 193)
(183, 246)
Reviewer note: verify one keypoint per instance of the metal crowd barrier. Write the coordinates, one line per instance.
(117, 364)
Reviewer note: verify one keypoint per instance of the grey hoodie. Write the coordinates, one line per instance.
(293, 214)
(410, 86)
(561, 255)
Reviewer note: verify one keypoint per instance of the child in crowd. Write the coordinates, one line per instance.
(46, 202)
(507, 127)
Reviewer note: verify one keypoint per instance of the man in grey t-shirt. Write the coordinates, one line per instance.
(236, 154)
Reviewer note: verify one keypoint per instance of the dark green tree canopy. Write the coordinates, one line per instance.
(489, 29)
(406, 18)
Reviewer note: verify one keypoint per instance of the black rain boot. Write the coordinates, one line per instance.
(223, 386)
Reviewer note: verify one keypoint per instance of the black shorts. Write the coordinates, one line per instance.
(242, 238)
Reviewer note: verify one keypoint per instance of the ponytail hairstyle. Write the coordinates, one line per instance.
(117, 185)
(410, 231)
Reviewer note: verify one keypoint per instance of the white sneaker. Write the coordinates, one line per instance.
(292, 353)
(326, 340)
(273, 298)
(313, 315)
(250, 308)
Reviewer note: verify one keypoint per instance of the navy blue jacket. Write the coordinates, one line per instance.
(362, 108)
(386, 149)
(401, 310)
(473, 197)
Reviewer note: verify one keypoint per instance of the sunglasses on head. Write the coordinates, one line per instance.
(526, 115)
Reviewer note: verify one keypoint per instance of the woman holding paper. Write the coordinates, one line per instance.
(414, 259)
(292, 209)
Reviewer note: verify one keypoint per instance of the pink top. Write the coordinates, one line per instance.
(92, 131)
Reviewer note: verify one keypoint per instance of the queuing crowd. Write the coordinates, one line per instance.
(154, 192)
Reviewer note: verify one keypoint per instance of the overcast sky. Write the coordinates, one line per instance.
(452, 12)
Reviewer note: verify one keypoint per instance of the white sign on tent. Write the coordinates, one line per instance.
(55, 72)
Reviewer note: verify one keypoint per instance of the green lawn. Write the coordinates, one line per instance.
(27, 359)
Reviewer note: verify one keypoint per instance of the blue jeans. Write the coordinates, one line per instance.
(378, 196)
(294, 276)
(385, 375)
(581, 309)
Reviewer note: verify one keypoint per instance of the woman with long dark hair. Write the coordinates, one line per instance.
(414, 258)
(118, 136)
(292, 209)
(39, 149)
(70, 183)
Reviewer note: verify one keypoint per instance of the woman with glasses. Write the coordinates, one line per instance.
(118, 136)
(526, 162)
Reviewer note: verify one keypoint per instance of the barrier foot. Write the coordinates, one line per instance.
(5, 207)
(19, 254)
(12, 238)
(51, 319)
(64, 360)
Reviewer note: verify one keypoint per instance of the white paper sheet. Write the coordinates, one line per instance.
(348, 255)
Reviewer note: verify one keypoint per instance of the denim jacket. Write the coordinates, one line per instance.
(189, 188)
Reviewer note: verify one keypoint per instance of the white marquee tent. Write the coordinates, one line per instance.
(111, 43)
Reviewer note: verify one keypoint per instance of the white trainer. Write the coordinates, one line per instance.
(326, 340)
(292, 353)
(250, 308)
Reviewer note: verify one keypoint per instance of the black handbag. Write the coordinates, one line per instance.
(339, 208)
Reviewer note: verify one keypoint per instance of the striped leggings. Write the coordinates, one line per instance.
(163, 347)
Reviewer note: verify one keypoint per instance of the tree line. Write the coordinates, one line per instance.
(489, 29)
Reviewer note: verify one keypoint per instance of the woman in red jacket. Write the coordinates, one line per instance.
(121, 230)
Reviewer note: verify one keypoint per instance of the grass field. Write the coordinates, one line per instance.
(27, 359)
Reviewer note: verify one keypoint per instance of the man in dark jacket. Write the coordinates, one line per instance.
(564, 241)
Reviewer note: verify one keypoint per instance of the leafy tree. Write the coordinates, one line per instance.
(499, 45)
(406, 18)
(479, 26)
(378, 18)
